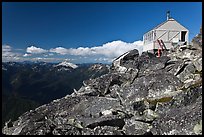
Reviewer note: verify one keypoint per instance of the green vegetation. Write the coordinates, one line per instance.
(160, 100)
(14, 106)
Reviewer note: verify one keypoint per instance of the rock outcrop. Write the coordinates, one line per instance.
(141, 95)
(197, 40)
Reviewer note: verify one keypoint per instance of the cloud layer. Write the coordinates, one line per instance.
(110, 49)
(8, 54)
(35, 50)
(104, 53)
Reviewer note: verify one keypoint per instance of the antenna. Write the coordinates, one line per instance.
(168, 15)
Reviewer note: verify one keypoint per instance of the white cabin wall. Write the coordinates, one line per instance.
(170, 35)
(159, 34)
(168, 45)
(173, 35)
(187, 37)
(148, 47)
(173, 25)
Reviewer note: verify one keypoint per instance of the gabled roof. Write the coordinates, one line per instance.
(171, 19)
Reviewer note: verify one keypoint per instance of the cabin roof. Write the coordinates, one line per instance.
(171, 19)
(163, 23)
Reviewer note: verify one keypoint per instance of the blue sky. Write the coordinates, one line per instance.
(70, 30)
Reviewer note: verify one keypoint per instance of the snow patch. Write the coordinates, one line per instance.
(67, 64)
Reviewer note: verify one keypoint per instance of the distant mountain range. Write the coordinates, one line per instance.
(26, 85)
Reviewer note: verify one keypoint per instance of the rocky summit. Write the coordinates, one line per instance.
(141, 95)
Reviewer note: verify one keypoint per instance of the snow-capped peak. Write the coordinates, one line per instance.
(67, 64)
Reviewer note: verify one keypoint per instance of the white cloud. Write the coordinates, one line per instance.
(35, 50)
(110, 49)
(27, 55)
(116, 48)
(59, 50)
(8, 54)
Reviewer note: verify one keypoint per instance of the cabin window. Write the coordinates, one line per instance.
(148, 37)
(183, 36)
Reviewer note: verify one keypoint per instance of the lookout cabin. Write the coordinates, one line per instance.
(165, 36)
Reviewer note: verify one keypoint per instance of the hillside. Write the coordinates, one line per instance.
(141, 95)
(27, 85)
